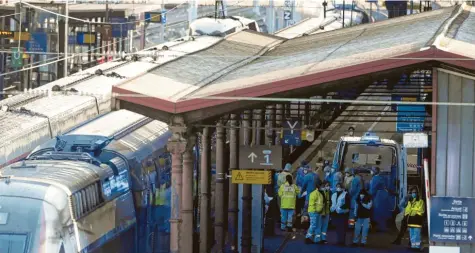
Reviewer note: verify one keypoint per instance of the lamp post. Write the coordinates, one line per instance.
(325, 9)
(66, 39)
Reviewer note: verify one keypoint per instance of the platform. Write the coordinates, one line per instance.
(293, 242)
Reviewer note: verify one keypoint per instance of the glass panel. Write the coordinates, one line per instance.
(13, 243)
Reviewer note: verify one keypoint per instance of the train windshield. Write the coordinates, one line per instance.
(358, 155)
(26, 225)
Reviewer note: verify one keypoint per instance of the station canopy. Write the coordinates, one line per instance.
(251, 64)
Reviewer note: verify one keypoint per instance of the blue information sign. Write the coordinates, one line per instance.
(38, 42)
(117, 29)
(292, 137)
(410, 118)
(450, 219)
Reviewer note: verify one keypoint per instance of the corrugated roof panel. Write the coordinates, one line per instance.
(414, 32)
(102, 126)
(466, 32)
(196, 68)
(300, 28)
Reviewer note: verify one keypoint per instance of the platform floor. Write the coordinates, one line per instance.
(293, 242)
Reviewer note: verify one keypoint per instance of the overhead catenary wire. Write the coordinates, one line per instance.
(61, 59)
(106, 23)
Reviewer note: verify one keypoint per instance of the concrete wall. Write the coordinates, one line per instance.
(455, 144)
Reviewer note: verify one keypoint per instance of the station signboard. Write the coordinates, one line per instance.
(292, 136)
(260, 157)
(451, 219)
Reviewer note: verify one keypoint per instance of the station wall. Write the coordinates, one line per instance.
(455, 133)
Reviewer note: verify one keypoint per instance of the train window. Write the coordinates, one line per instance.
(84, 201)
(95, 201)
(89, 199)
(81, 209)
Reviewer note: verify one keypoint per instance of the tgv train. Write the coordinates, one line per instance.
(102, 187)
(221, 27)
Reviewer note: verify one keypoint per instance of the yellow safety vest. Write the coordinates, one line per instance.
(160, 195)
(315, 202)
(288, 195)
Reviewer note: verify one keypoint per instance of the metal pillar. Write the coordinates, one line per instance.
(176, 146)
(279, 111)
(205, 204)
(219, 195)
(233, 188)
(186, 238)
(270, 125)
(246, 240)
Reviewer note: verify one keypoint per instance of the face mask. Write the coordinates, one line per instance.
(338, 189)
(305, 171)
(327, 188)
(328, 173)
(372, 172)
(414, 195)
(333, 170)
(361, 196)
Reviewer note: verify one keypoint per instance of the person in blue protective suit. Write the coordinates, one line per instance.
(337, 178)
(310, 182)
(327, 174)
(356, 185)
(301, 173)
(362, 213)
(340, 209)
(381, 209)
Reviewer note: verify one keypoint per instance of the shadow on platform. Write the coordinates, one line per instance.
(294, 242)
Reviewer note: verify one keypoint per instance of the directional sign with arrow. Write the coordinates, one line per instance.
(451, 219)
(252, 156)
(260, 157)
(292, 137)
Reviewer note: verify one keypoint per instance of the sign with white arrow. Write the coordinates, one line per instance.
(260, 157)
(292, 133)
(451, 219)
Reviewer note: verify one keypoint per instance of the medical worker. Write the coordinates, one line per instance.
(283, 174)
(337, 178)
(340, 209)
(348, 178)
(355, 187)
(288, 196)
(328, 175)
(310, 182)
(380, 195)
(415, 219)
(325, 214)
(362, 214)
(301, 173)
(315, 208)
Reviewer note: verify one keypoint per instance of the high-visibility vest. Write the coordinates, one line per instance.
(160, 195)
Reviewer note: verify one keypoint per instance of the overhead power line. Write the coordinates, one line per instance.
(106, 23)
